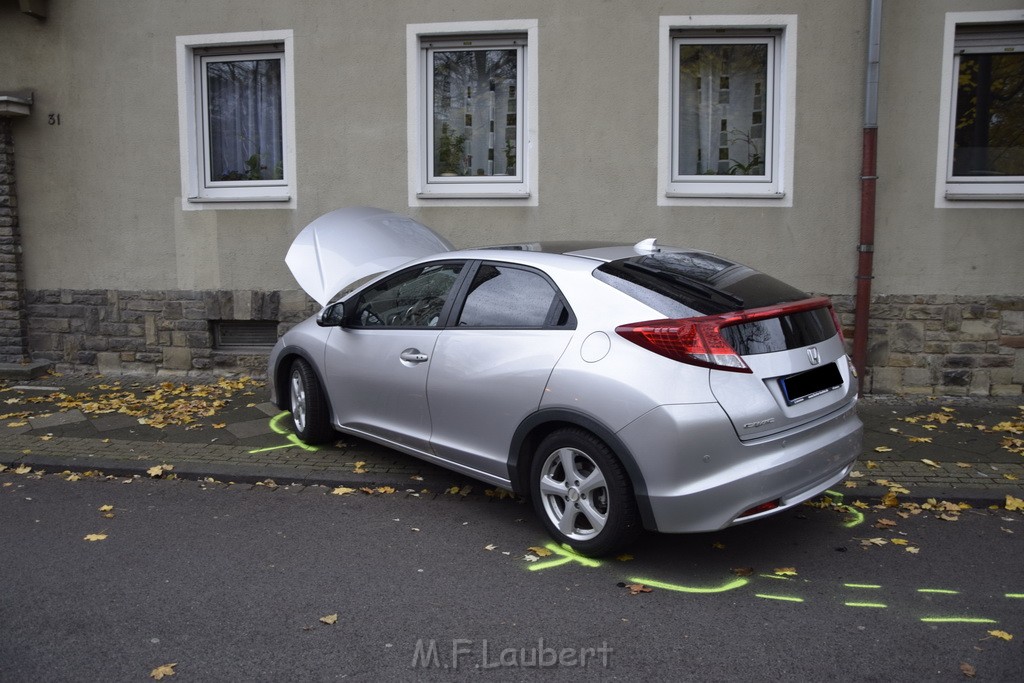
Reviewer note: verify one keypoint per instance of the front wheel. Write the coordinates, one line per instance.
(308, 404)
(582, 493)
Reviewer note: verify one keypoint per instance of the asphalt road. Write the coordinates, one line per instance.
(231, 583)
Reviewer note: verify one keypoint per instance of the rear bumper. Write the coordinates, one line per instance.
(704, 478)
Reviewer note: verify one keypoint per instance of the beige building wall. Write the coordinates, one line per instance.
(100, 195)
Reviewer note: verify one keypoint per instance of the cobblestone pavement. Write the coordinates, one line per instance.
(964, 449)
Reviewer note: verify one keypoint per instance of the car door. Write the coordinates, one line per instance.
(490, 367)
(377, 362)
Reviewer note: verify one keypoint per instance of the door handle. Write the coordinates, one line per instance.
(414, 356)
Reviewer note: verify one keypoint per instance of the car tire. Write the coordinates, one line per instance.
(582, 494)
(308, 404)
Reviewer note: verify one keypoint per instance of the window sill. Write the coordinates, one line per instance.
(473, 195)
(975, 197)
(238, 200)
(725, 195)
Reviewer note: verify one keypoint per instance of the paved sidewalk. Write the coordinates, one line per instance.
(954, 449)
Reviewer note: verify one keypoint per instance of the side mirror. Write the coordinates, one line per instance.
(331, 316)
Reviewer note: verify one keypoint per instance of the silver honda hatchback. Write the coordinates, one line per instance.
(618, 387)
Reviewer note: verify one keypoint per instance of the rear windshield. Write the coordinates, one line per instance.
(689, 284)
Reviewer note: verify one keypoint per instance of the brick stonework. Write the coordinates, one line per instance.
(152, 332)
(932, 345)
(942, 345)
(12, 281)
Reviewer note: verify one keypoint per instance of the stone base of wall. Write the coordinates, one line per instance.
(942, 345)
(153, 332)
(933, 345)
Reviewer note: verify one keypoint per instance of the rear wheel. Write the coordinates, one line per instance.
(582, 493)
(308, 404)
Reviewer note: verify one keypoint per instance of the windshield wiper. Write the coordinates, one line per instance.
(686, 282)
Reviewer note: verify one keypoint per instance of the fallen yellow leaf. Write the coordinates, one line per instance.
(538, 551)
(342, 491)
(920, 439)
(899, 541)
(786, 571)
(158, 470)
(330, 619)
(95, 537)
(1011, 502)
(913, 550)
(889, 500)
(106, 508)
(882, 449)
(930, 463)
(871, 465)
(1003, 635)
(163, 670)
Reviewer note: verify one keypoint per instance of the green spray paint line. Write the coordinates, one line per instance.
(873, 605)
(738, 583)
(565, 556)
(940, 591)
(861, 585)
(1017, 596)
(784, 598)
(293, 441)
(957, 620)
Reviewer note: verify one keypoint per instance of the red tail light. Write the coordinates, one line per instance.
(699, 341)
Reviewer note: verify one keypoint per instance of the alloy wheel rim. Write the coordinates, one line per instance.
(574, 493)
(298, 401)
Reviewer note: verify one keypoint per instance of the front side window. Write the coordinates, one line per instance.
(473, 107)
(413, 298)
(236, 111)
(727, 109)
(986, 151)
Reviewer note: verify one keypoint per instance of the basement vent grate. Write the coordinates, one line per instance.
(235, 334)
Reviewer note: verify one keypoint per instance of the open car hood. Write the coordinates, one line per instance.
(345, 245)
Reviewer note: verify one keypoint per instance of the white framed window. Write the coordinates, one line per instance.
(236, 120)
(726, 100)
(472, 108)
(981, 143)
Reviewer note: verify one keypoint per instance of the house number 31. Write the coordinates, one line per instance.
(54, 120)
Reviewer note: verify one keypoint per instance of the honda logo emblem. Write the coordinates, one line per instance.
(812, 355)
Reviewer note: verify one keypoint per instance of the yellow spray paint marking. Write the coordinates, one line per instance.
(738, 583)
(1015, 595)
(784, 598)
(293, 441)
(876, 605)
(567, 555)
(957, 620)
(862, 585)
(857, 517)
(940, 591)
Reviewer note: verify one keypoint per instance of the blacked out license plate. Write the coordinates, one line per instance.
(804, 385)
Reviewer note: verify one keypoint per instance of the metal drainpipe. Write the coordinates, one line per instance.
(868, 178)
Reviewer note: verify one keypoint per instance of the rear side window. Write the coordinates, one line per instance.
(505, 296)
